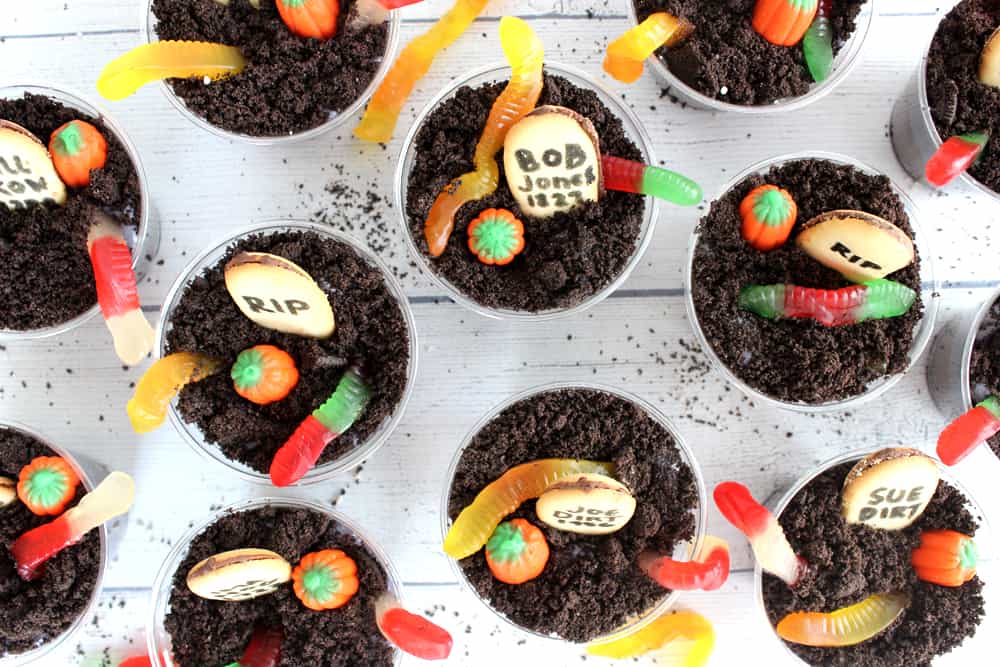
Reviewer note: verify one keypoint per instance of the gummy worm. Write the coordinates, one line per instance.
(667, 628)
(303, 448)
(706, 573)
(160, 383)
(955, 156)
(524, 52)
(625, 56)
(412, 64)
(874, 300)
(970, 430)
(628, 176)
(817, 45)
(409, 632)
(117, 293)
(166, 60)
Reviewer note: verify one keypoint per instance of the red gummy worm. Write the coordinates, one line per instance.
(966, 433)
(622, 175)
(416, 635)
(38, 545)
(116, 289)
(264, 649)
(707, 575)
(396, 4)
(954, 156)
(137, 661)
(740, 509)
(300, 452)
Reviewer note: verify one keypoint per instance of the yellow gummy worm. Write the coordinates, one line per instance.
(626, 54)
(160, 383)
(525, 53)
(412, 64)
(684, 625)
(165, 60)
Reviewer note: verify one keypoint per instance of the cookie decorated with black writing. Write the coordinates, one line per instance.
(8, 491)
(590, 504)
(890, 488)
(241, 574)
(858, 245)
(278, 294)
(27, 176)
(552, 160)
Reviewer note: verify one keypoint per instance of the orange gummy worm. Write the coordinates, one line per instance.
(412, 64)
(525, 53)
(166, 60)
(626, 54)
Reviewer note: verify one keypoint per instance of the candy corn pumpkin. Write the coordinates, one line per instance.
(264, 374)
(945, 558)
(47, 485)
(768, 214)
(517, 552)
(325, 579)
(310, 18)
(77, 148)
(784, 22)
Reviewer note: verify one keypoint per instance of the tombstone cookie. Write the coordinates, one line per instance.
(590, 504)
(241, 574)
(27, 175)
(278, 294)
(552, 160)
(989, 61)
(858, 245)
(8, 491)
(889, 489)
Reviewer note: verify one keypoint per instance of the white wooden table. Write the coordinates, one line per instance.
(74, 389)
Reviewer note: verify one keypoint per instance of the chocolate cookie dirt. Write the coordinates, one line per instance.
(984, 365)
(291, 84)
(798, 360)
(567, 257)
(370, 330)
(45, 273)
(591, 584)
(725, 58)
(851, 562)
(34, 613)
(959, 102)
(206, 632)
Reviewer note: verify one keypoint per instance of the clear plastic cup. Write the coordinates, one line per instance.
(336, 120)
(158, 643)
(847, 59)
(949, 375)
(985, 541)
(684, 551)
(38, 653)
(209, 258)
(929, 292)
(911, 128)
(144, 241)
(634, 130)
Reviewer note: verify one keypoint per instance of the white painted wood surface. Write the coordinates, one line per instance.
(74, 389)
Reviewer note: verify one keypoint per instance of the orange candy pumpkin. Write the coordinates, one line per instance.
(769, 214)
(945, 558)
(517, 552)
(325, 579)
(784, 22)
(310, 18)
(264, 374)
(77, 148)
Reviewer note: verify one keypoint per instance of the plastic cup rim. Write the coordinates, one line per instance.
(929, 290)
(326, 471)
(687, 456)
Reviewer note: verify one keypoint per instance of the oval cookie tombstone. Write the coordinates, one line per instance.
(241, 574)
(27, 175)
(890, 488)
(552, 161)
(858, 245)
(590, 504)
(278, 294)
(8, 491)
